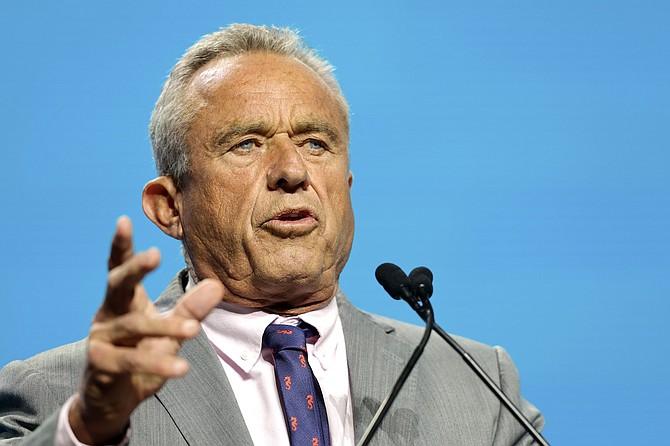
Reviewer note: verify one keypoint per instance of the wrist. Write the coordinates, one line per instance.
(96, 428)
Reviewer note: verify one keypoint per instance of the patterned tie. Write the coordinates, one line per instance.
(303, 405)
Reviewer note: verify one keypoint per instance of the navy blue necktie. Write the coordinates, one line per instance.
(303, 405)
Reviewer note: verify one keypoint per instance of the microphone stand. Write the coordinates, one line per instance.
(425, 311)
(490, 384)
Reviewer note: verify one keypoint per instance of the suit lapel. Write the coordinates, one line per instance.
(376, 359)
(202, 404)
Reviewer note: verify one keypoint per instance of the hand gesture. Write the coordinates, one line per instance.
(132, 350)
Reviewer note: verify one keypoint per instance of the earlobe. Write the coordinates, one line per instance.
(160, 201)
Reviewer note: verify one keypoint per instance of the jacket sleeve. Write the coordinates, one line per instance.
(33, 391)
(28, 408)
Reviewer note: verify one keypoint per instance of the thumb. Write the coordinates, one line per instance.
(198, 302)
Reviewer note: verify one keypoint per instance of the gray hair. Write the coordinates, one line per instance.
(175, 110)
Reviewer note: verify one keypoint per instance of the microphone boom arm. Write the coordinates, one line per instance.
(490, 384)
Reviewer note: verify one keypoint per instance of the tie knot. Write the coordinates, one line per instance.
(279, 337)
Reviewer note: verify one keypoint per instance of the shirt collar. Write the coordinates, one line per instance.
(236, 332)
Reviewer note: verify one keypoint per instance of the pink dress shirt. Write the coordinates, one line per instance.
(236, 334)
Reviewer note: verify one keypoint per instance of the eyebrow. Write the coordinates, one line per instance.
(317, 126)
(227, 135)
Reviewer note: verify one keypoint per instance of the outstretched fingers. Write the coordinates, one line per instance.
(147, 343)
(129, 329)
(157, 362)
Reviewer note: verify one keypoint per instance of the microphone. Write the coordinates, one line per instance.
(421, 280)
(395, 281)
(398, 285)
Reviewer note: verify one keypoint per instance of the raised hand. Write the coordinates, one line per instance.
(132, 350)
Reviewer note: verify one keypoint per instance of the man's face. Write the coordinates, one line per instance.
(265, 207)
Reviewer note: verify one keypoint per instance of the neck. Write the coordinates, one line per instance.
(288, 303)
(283, 306)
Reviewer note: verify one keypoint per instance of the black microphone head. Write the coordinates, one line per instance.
(421, 271)
(421, 279)
(393, 279)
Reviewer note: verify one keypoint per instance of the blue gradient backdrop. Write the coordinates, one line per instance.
(520, 149)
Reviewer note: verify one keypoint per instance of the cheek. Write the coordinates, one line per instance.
(340, 190)
(339, 205)
(209, 208)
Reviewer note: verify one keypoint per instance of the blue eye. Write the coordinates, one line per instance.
(316, 145)
(245, 145)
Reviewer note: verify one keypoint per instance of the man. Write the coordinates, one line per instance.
(250, 137)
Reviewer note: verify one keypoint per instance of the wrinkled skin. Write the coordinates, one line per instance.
(265, 207)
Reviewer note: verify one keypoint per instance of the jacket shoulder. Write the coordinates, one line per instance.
(412, 334)
(33, 389)
(446, 371)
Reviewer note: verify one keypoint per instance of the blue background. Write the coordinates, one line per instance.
(520, 149)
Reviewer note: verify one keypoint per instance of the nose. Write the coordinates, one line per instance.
(287, 169)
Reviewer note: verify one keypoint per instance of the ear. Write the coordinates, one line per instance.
(161, 202)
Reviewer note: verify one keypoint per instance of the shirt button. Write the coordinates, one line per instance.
(244, 356)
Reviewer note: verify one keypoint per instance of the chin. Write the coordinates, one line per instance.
(293, 282)
(287, 277)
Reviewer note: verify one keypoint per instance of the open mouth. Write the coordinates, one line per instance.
(292, 223)
(293, 215)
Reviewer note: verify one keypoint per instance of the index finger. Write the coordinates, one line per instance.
(124, 290)
(122, 243)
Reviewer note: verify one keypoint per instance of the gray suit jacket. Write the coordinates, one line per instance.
(442, 403)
